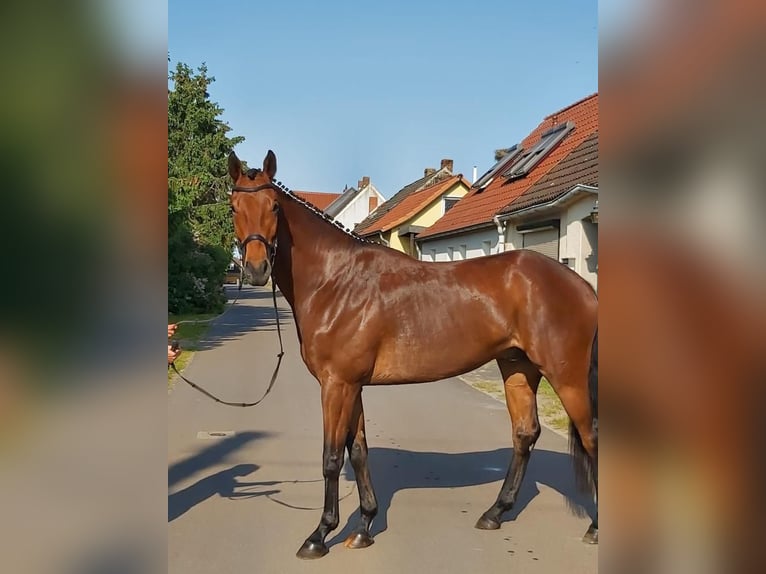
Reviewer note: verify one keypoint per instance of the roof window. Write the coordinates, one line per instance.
(528, 159)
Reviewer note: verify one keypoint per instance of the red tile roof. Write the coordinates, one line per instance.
(580, 167)
(412, 204)
(318, 198)
(399, 196)
(479, 206)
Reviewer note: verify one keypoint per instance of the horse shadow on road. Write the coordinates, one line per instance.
(393, 470)
(222, 483)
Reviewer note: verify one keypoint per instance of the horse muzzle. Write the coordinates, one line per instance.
(259, 273)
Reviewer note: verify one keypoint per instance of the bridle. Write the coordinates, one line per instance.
(271, 248)
(271, 251)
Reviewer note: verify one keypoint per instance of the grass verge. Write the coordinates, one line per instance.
(188, 335)
(549, 407)
(487, 379)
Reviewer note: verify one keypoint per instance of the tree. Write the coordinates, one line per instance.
(200, 232)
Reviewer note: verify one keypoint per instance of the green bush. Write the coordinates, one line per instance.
(195, 274)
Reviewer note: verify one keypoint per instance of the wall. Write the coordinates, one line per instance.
(578, 237)
(476, 243)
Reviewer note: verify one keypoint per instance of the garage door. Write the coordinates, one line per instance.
(545, 241)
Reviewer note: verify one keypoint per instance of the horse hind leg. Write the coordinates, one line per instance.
(521, 379)
(580, 402)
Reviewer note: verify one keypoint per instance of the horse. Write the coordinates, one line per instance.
(366, 314)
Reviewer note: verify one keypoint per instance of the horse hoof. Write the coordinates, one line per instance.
(359, 540)
(591, 537)
(485, 523)
(311, 550)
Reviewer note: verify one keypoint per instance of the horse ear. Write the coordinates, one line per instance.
(235, 167)
(270, 164)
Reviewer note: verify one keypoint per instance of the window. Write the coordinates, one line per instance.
(530, 158)
(504, 161)
(542, 237)
(487, 246)
(449, 203)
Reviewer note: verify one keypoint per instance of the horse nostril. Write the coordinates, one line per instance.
(257, 271)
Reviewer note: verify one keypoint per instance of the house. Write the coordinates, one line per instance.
(355, 204)
(558, 215)
(542, 194)
(415, 207)
(349, 207)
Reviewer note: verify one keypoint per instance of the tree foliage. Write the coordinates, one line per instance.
(200, 232)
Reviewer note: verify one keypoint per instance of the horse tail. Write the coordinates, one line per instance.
(585, 467)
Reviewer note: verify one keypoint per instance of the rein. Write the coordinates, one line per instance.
(271, 249)
(273, 376)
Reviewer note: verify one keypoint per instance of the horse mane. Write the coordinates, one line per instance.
(252, 172)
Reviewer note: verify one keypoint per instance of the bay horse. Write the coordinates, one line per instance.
(368, 315)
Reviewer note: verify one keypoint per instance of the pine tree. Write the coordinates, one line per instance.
(200, 232)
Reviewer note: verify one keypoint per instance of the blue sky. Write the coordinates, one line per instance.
(343, 89)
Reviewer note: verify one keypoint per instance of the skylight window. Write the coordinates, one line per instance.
(534, 155)
(487, 178)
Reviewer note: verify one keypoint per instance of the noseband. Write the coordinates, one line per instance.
(271, 248)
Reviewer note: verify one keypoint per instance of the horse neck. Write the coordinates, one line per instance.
(308, 249)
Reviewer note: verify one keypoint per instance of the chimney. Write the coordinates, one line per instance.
(373, 203)
(448, 164)
(428, 171)
(474, 174)
(364, 182)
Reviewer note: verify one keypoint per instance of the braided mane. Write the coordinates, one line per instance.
(251, 173)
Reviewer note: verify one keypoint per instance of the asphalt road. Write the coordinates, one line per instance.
(243, 499)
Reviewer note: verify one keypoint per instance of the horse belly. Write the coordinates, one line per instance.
(441, 353)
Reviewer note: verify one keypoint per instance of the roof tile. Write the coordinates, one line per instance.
(318, 199)
(480, 206)
(416, 201)
(579, 167)
(367, 224)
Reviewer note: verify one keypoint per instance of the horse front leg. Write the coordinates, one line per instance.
(368, 505)
(338, 403)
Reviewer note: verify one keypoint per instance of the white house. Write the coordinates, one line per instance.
(355, 204)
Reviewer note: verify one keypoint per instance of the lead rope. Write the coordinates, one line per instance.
(273, 376)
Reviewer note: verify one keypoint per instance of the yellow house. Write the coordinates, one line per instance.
(415, 208)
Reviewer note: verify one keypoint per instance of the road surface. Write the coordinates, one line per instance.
(245, 485)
